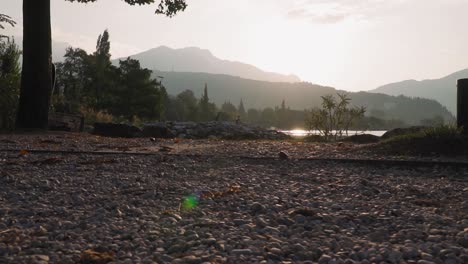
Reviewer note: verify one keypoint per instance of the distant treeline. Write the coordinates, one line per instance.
(262, 94)
(187, 107)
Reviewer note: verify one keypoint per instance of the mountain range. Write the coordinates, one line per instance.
(194, 59)
(444, 90)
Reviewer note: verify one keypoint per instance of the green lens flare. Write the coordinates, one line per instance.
(189, 202)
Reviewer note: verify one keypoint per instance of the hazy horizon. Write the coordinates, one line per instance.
(347, 44)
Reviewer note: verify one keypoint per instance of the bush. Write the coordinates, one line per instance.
(335, 117)
(10, 77)
(92, 116)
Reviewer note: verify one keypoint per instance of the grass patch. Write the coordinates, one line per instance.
(443, 140)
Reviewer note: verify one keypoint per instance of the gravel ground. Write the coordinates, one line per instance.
(227, 148)
(162, 208)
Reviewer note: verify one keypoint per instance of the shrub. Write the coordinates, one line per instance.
(92, 116)
(443, 139)
(335, 117)
(10, 77)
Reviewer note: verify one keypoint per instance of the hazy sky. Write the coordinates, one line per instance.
(347, 44)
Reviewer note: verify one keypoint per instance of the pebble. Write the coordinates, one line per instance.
(241, 251)
(257, 208)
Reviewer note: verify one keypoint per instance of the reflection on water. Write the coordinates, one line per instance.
(302, 133)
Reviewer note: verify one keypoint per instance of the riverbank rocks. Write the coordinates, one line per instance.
(224, 130)
(157, 130)
(190, 130)
(116, 130)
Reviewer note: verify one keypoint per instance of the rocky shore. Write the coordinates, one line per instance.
(204, 208)
(190, 130)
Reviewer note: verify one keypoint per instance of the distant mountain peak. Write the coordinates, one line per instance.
(443, 90)
(195, 59)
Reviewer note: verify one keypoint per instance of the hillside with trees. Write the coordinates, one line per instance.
(443, 90)
(300, 96)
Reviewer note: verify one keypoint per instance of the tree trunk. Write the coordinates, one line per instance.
(36, 75)
(462, 105)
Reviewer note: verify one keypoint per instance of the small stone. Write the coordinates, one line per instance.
(242, 251)
(261, 222)
(209, 241)
(40, 231)
(410, 252)
(324, 259)
(176, 217)
(285, 221)
(434, 238)
(276, 251)
(192, 260)
(43, 258)
(257, 207)
(271, 256)
(421, 261)
(395, 256)
(378, 236)
(426, 256)
(220, 246)
(462, 239)
(300, 219)
(283, 155)
(178, 248)
(240, 222)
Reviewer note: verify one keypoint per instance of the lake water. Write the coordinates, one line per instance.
(302, 133)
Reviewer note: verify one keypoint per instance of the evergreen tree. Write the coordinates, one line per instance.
(137, 95)
(205, 100)
(206, 109)
(253, 116)
(229, 111)
(241, 109)
(187, 106)
(72, 74)
(165, 101)
(102, 72)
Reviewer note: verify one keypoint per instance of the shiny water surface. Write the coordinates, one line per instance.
(302, 133)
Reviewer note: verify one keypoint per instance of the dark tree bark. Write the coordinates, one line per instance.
(462, 105)
(36, 76)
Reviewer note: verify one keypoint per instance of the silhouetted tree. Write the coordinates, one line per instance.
(229, 111)
(165, 101)
(241, 109)
(36, 77)
(206, 109)
(102, 72)
(186, 105)
(137, 94)
(70, 88)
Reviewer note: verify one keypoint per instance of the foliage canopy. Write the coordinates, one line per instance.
(165, 7)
